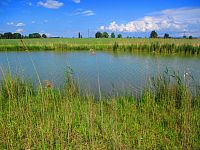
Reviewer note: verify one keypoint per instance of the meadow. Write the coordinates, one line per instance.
(168, 46)
(166, 116)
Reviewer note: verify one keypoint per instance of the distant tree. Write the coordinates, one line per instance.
(25, 37)
(190, 37)
(8, 35)
(1, 36)
(34, 35)
(105, 35)
(166, 36)
(153, 34)
(184, 37)
(37, 35)
(44, 35)
(119, 36)
(98, 35)
(16, 36)
(79, 35)
(30, 36)
(112, 35)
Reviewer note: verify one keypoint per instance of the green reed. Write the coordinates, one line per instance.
(163, 46)
(165, 117)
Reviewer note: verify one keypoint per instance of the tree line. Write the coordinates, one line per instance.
(153, 34)
(106, 35)
(10, 35)
(166, 35)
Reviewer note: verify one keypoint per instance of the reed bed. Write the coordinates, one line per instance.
(165, 117)
(163, 46)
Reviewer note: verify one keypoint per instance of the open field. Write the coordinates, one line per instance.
(171, 46)
(165, 117)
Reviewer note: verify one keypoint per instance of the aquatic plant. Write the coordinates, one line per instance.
(65, 119)
(160, 46)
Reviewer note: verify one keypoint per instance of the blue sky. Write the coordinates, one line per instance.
(130, 17)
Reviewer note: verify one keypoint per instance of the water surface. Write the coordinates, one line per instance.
(112, 72)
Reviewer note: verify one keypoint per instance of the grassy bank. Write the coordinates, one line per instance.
(165, 117)
(169, 46)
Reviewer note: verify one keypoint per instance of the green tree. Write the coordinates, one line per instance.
(25, 37)
(166, 36)
(112, 35)
(105, 35)
(79, 35)
(17, 36)
(30, 36)
(119, 36)
(98, 35)
(37, 35)
(153, 34)
(44, 35)
(8, 35)
(1, 36)
(190, 37)
(34, 35)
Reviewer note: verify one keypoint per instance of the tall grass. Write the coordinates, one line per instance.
(168, 46)
(165, 117)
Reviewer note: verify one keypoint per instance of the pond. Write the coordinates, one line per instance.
(111, 73)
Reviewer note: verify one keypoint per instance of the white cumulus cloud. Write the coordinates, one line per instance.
(20, 24)
(102, 28)
(76, 1)
(19, 30)
(10, 23)
(166, 20)
(51, 4)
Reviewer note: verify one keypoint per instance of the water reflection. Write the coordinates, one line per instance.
(117, 72)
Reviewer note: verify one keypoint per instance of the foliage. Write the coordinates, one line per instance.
(17, 36)
(44, 36)
(1, 36)
(166, 36)
(112, 35)
(158, 46)
(190, 37)
(119, 36)
(34, 35)
(98, 35)
(153, 34)
(8, 35)
(48, 118)
(115, 46)
(105, 35)
(79, 35)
